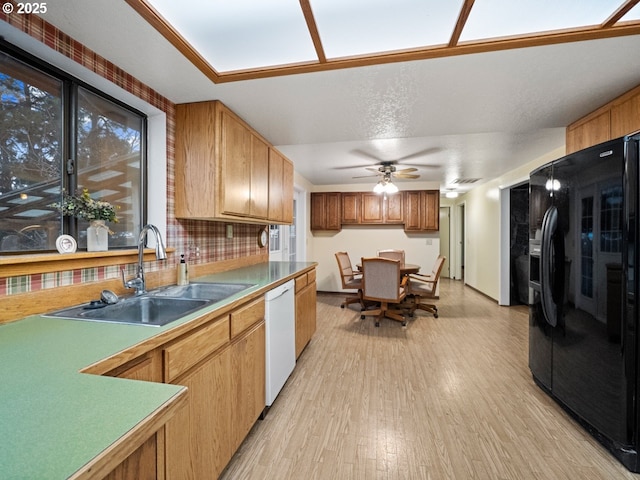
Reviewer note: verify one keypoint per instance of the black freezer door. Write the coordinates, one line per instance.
(581, 299)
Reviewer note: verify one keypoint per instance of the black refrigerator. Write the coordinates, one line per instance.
(583, 321)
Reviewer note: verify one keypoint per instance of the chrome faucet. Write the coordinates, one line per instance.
(138, 281)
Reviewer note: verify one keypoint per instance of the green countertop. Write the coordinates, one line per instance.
(53, 419)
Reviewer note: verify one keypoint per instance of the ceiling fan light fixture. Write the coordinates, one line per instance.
(385, 186)
(391, 188)
(380, 187)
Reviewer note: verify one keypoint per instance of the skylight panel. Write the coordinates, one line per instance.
(355, 27)
(241, 34)
(632, 15)
(500, 18)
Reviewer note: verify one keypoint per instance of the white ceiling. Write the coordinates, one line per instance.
(465, 116)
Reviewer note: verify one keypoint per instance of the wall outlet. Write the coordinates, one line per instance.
(229, 231)
(429, 241)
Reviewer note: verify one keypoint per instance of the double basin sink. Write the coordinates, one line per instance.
(156, 308)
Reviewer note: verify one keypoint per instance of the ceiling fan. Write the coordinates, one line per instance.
(388, 170)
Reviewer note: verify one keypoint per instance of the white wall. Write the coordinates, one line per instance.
(482, 228)
(361, 241)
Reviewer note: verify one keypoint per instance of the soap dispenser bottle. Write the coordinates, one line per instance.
(183, 272)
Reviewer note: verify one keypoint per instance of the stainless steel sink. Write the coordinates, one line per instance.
(146, 310)
(156, 308)
(213, 292)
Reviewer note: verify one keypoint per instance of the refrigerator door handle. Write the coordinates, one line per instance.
(549, 225)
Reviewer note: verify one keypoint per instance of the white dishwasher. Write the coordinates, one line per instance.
(280, 327)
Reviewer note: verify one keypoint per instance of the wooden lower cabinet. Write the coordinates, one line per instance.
(247, 382)
(140, 465)
(197, 438)
(222, 364)
(305, 310)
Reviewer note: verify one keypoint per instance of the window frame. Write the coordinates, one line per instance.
(69, 97)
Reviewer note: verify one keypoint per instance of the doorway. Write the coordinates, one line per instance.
(445, 240)
(519, 244)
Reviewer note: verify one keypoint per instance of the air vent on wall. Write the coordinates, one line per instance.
(460, 181)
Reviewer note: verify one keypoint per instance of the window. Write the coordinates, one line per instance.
(611, 219)
(586, 248)
(56, 134)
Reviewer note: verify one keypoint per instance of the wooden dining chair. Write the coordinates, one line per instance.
(381, 282)
(392, 254)
(350, 280)
(425, 287)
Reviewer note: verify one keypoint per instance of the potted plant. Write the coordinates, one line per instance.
(96, 212)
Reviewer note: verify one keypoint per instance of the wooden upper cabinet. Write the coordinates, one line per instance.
(617, 118)
(589, 132)
(372, 208)
(280, 188)
(422, 210)
(393, 208)
(431, 212)
(235, 166)
(382, 209)
(259, 178)
(625, 116)
(223, 168)
(418, 210)
(325, 211)
(350, 207)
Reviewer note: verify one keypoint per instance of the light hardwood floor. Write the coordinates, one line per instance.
(445, 398)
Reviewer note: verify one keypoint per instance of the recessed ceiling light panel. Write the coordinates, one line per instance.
(241, 34)
(353, 27)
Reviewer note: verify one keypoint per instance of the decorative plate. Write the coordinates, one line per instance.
(66, 244)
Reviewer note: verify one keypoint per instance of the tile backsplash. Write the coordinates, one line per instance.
(201, 241)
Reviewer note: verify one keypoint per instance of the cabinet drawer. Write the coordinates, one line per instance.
(182, 355)
(246, 316)
(301, 282)
(311, 276)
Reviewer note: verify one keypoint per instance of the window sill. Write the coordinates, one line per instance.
(17, 265)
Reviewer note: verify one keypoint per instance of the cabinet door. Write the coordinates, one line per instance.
(259, 178)
(280, 188)
(235, 167)
(393, 208)
(372, 208)
(325, 211)
(247, 383)
(625, 117)
(591, 132)
(305, 316)
(198, 437)
(431, 210)
(350, 207)
(196, 168)
(412, 210)
(142, 463)
(287, 192)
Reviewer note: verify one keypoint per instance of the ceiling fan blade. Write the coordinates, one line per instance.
(374, 169)
(407, 170)
(366, 176)
(419, 165)
(421, 153)
(405, 175)
(363, 154)
(351, 167)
